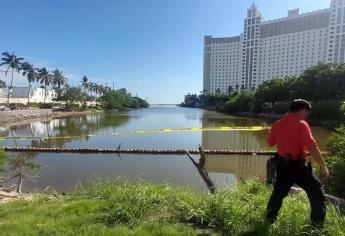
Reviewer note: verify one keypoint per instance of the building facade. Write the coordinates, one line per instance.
(274, 49)
(21, 95)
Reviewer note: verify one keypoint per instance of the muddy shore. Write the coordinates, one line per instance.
(22, 117)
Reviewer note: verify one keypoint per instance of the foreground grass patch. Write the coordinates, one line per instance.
(115, 208)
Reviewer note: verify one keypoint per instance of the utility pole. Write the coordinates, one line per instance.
(113, 86)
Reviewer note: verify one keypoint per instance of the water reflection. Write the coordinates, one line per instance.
(241, 166)
(58, 132)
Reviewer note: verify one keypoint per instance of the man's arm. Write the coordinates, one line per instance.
(317, 156)
(309, 142)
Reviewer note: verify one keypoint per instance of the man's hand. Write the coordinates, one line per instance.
(316, 155)
(324, 173)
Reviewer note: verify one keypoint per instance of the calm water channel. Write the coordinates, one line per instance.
(63, 171)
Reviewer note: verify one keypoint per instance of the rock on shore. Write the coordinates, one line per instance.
(7, 117)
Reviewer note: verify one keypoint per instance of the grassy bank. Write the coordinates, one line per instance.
(115, 208)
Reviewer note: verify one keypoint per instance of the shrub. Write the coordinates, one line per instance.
(242, 102)
(326, 110)
(33, 104)
(336, 163)
(73, 107)
(45, 106)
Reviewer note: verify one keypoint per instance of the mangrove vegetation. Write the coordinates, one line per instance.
(323, 85)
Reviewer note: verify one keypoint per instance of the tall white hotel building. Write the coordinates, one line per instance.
(275, 48)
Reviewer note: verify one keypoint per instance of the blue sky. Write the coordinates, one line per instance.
(154, 48)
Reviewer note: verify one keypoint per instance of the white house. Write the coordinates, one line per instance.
(20, 95)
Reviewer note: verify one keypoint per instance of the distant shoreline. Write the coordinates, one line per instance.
(24, 117)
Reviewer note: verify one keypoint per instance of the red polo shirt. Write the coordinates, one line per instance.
(292, 136)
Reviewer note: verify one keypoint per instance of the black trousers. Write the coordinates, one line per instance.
(297, 172)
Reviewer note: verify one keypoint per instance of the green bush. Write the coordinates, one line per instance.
(34, 104)
(120, 99)
(73, 107)
(242, 102)
(326, 110)
(336, 163)
(45, 106)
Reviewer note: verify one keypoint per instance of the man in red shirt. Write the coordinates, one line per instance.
(293, 138)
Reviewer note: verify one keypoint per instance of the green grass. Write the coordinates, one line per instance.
(115, 208)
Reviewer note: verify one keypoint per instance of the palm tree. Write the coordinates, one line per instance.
(85, 83)
(45, 79)
(58, 80)
(102, 89)
(96, 90)
(31, 74)
(11, 61)
(92, 87)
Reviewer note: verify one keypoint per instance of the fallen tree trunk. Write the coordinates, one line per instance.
(138, 151)
(202, 171)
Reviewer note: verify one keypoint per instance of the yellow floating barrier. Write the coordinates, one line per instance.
(229, 128)
(167, 130)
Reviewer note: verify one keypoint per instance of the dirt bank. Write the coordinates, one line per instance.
(11, 196)
(21, 117)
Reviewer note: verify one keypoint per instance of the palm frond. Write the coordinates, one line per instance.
(6, 54)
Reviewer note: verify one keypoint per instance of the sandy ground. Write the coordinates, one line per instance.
(12, 196)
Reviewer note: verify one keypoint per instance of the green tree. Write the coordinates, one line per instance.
(13, 63)
(190, 100)
(31, 75)
(120, 99)
(58, 80)
(22, 167)
(85, 83)
(17, 167)
(272, 91)
(241, 102)
(44, 77)
(73, 95)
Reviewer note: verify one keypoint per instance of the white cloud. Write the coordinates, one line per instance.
(18, 79)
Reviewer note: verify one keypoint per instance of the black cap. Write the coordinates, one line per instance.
(299, 104)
